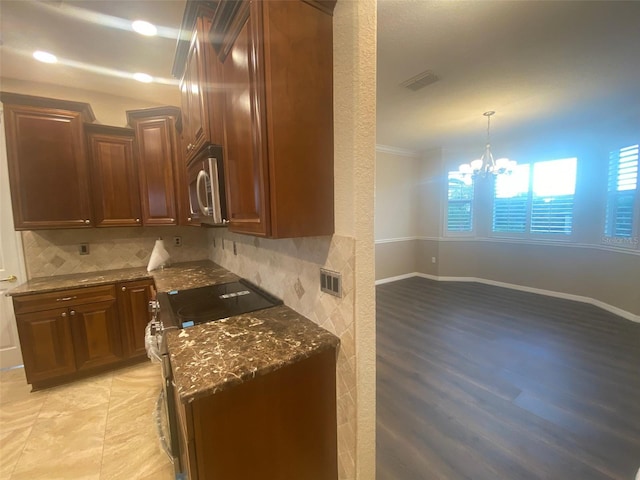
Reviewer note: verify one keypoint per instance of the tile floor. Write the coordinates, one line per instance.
(100, 428)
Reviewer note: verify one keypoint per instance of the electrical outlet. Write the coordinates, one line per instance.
(84, 249)
(235, 250)
(177, 241)
(331, 282)
(433, 259)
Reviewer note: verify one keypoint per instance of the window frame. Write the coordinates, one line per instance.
(472, 204)
(528, 234)
(618, 242)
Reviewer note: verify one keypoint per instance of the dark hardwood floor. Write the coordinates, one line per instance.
(486, 383)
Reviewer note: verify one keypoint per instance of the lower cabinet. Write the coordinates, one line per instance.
(76, 332)
(47, 345)
(133, 304)
(281, 425)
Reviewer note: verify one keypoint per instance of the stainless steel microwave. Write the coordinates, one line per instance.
(207, 197)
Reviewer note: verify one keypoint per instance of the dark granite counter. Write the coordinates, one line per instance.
(176, 277)
(191, 275)
(214, 356)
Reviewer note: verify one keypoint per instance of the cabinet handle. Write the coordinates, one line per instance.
(72, 313)
(65, 299)
(189, 147)
(64, 314)
(87, 222)
(124, 289)
(13, 278)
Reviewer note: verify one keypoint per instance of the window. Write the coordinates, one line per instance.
(459, 203)
(510, 201)
(621, 192)
(536, 198)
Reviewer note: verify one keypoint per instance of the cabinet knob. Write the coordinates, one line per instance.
(64, 314)
(72, 313)
(87, 222)
(172, 219)
(124, 289)
(188, 219)
(189, 147)
(137, 220)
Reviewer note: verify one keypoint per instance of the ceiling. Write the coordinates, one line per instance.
(96, 48)
(548, 69)
(543, 66)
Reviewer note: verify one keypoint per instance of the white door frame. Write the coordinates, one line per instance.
(11, 263)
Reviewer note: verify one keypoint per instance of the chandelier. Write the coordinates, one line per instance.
(486, 164)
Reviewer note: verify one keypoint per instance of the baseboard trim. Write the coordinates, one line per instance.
(540, 291)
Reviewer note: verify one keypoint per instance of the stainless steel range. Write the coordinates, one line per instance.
(184, 309)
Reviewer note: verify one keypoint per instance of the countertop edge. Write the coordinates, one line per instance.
(239, 380)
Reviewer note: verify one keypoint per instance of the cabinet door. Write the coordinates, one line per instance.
(114, 176)
(47, 347)
(96, 334)
(47, 168)
(244, 122)
(133, 304)
(157, 150)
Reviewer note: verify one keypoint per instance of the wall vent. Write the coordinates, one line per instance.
(420, 81)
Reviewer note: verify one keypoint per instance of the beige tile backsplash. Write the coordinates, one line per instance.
(56, 252)
(290, 269)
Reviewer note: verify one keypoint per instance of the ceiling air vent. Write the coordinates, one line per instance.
(420, 81)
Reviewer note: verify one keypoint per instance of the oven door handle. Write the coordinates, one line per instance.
(202, 175)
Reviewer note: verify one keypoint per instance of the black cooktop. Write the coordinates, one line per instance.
(185, 308)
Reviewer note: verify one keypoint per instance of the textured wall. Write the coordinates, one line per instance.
(354, 70)
(55, 252)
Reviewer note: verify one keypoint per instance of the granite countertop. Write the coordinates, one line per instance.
(176, 277)
(214, 356)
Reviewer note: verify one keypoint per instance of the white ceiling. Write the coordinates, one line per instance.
(543, 66)
(94, 43)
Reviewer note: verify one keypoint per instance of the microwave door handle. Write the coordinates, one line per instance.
(202, 175)
(215, 188)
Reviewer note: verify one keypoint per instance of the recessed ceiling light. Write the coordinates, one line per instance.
(143, 77)
(45, 57)
(144, 28)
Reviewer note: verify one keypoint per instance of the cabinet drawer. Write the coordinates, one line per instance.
(63, 298)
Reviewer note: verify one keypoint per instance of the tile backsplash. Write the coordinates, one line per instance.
(290, 269)
(56, 252)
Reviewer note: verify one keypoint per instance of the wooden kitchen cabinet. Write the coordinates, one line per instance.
(71, 333)
(47, 345)
(96, 334)
(48, 172)
(281, 425)
(277, 61)
(133, 302)
(114, 176)
(200, 89)
(160, 169)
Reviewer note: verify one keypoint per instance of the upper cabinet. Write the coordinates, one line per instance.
(277, 64)
(159, 164)
(202, 119)
(274, 60)
(48, 174)
(114, 176)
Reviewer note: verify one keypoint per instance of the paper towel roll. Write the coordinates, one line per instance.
(159, 256)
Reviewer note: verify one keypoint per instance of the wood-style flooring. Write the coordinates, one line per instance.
(486, 383)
